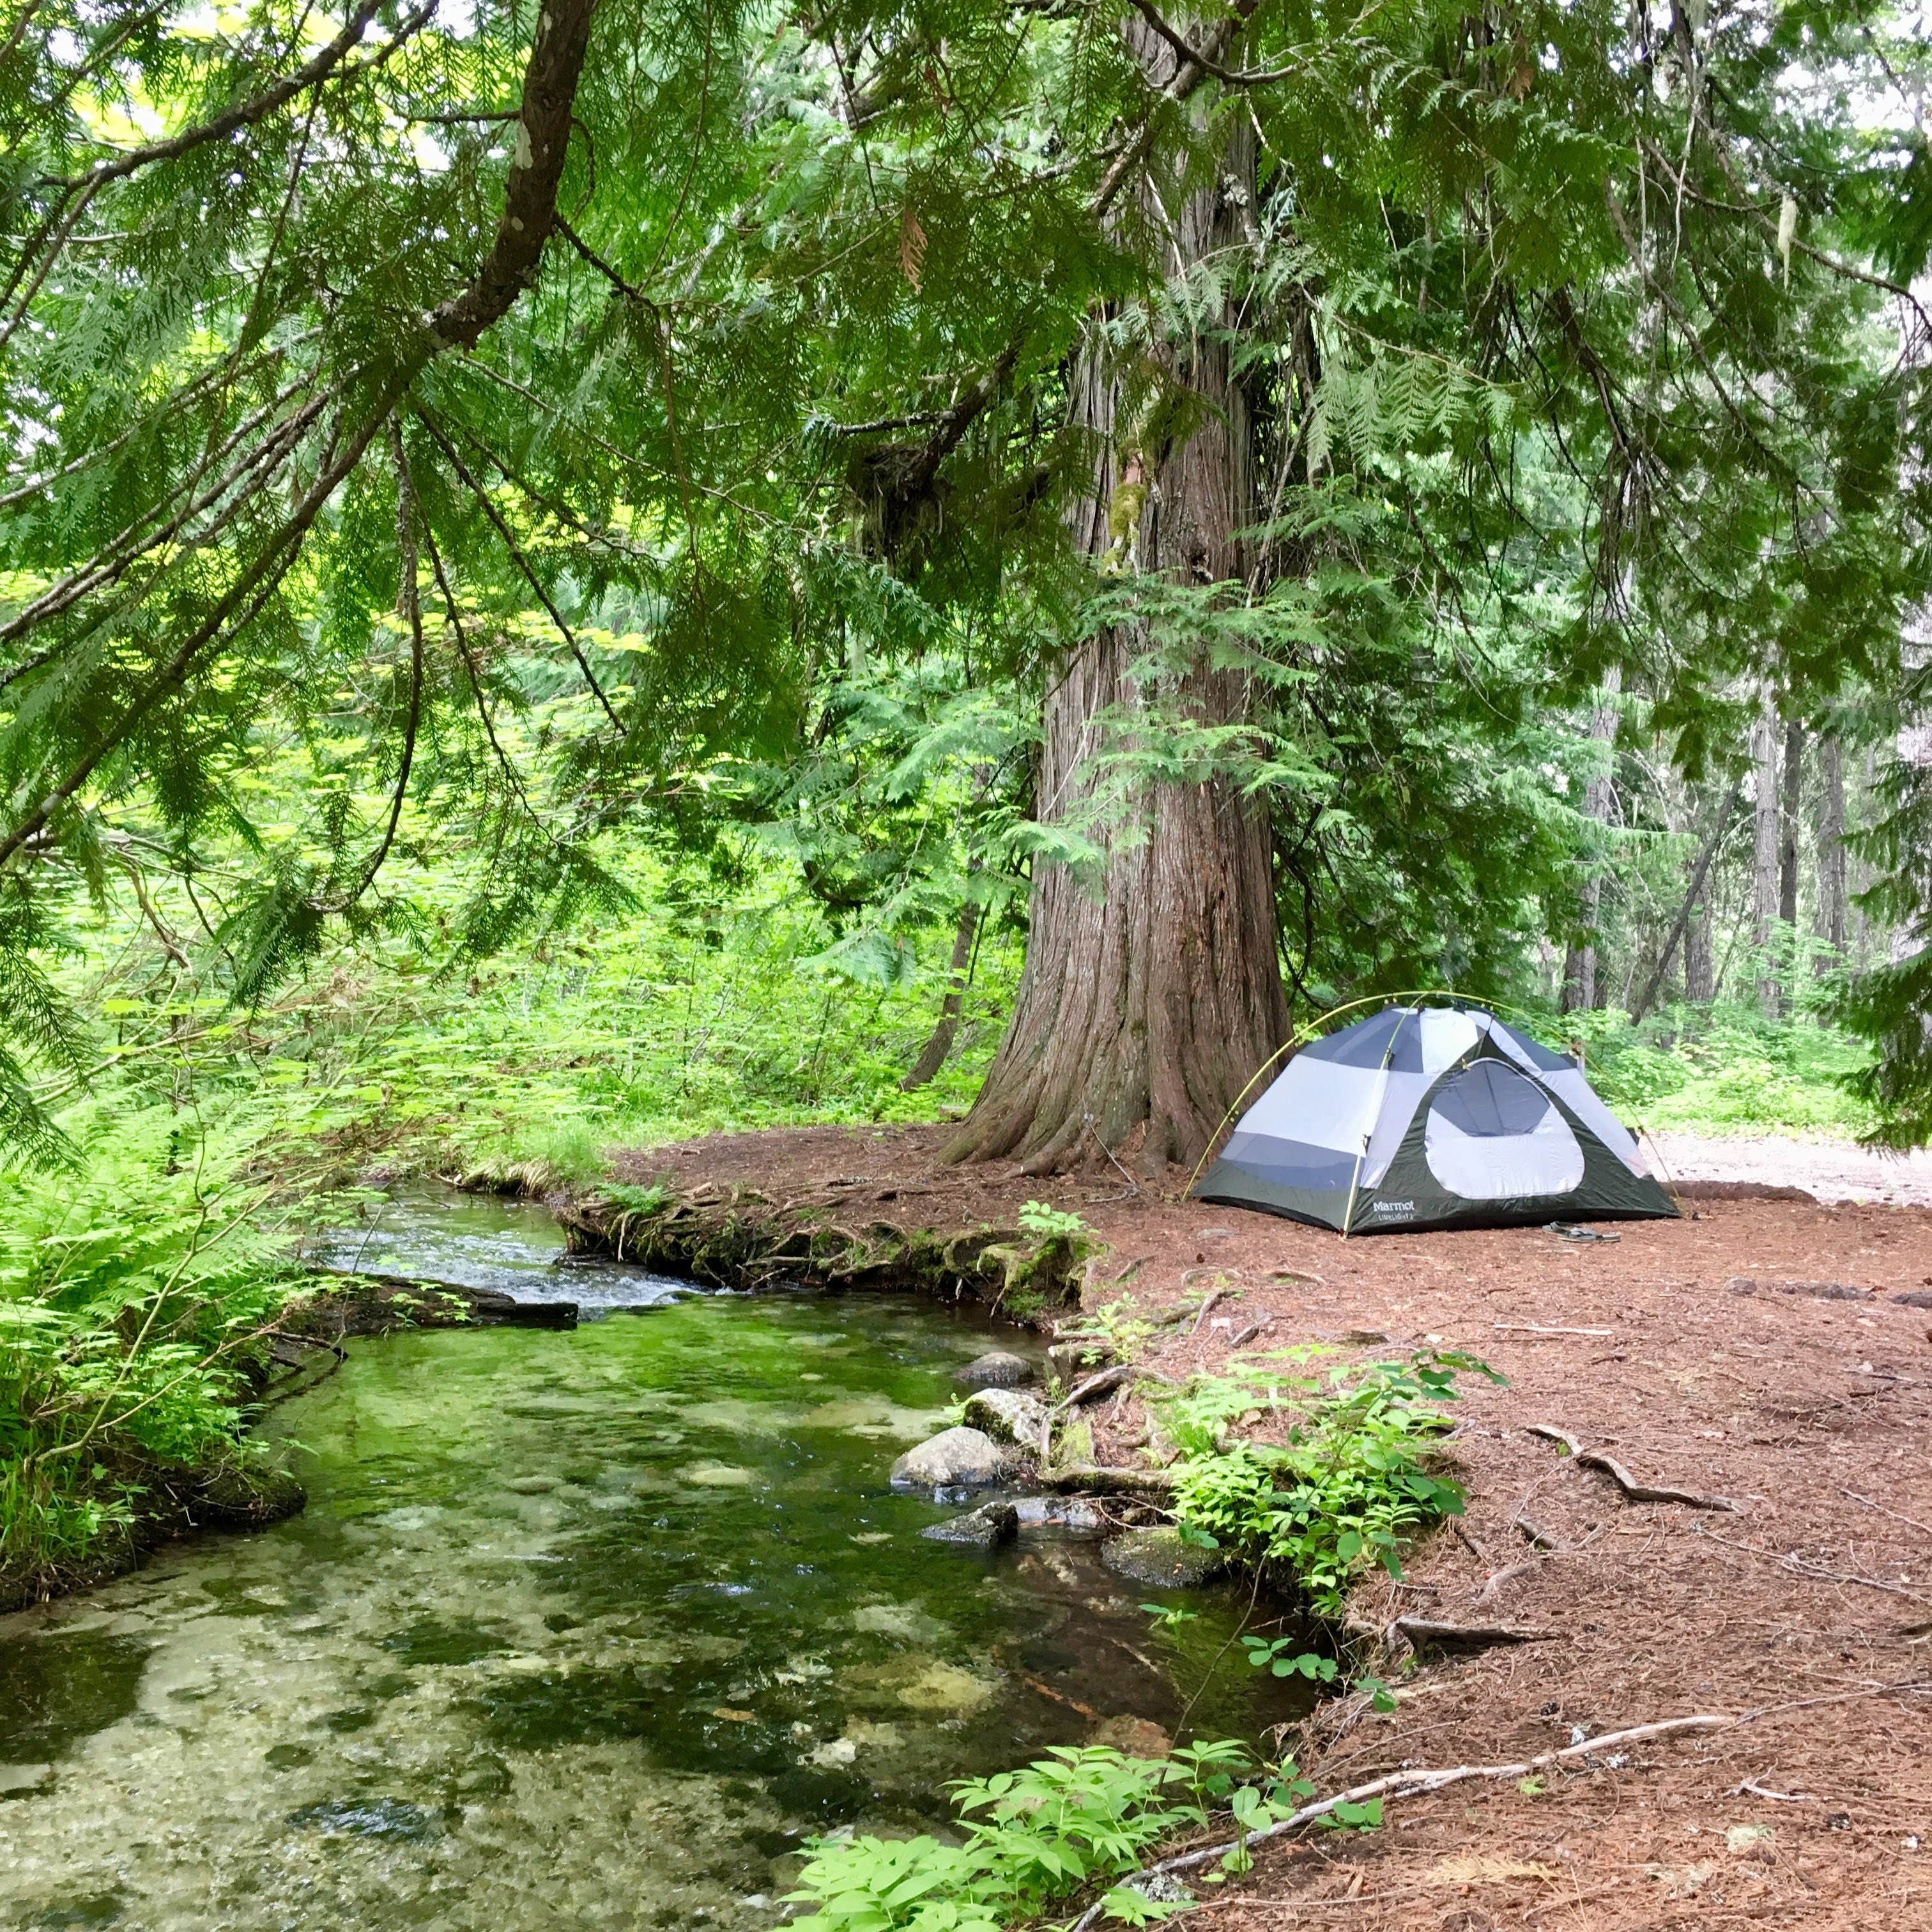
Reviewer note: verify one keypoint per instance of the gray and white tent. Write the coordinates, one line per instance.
(1433, 1117)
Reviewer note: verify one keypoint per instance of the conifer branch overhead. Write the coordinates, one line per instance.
(312, 72)
(536, 171)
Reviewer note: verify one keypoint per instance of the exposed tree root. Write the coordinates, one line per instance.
(736, 1238)
(1095, 1479)
(1633, 1490)
(1469, 1636)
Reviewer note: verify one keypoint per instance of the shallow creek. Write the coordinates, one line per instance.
(580, 1629)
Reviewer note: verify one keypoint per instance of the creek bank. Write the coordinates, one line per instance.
(173, 1500)
(738, 1237)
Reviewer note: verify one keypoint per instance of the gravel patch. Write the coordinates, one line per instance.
(1827, 1170)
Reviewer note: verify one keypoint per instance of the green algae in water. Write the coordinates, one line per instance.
(579, 1630)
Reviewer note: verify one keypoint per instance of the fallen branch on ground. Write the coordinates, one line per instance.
(1415, 1784)
(1544, 1547)
(1493, 1584)
(1635, 1491)
(1537, 1328)
(1425, 1630)
(1215, 1297)
(1882, 1511)
(1539, 1539)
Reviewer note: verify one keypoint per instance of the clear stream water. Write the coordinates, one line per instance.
(583, 1629)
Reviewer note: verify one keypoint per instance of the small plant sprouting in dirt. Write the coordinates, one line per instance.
(1051, 1223)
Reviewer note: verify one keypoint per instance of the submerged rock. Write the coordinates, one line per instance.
(985, 1528)
(391, 1818)
(997, 1368)
(236, 1498)
(1132, 1737)
(1159, 1556)
(954, 1459)
(1008, 1415)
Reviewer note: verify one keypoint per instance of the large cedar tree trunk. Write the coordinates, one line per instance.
(1151, 995)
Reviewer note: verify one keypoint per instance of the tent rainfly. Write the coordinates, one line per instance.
(1436, 1117)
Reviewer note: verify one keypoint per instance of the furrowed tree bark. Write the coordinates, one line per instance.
(1151, 993)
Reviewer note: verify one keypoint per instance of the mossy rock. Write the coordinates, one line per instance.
(1161, 1558)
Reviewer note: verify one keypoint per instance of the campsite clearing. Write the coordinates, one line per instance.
(1759, 1354)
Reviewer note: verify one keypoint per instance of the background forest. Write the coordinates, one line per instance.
(596, 573)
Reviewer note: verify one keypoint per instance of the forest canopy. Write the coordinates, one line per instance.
(1276, 504)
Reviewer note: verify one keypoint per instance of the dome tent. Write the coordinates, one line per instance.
(1432, 1118)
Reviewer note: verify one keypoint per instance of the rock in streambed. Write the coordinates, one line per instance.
(954, 1459)
(1008, 1415)
(996, 1369)
(985, 1528)
(1160, 1557)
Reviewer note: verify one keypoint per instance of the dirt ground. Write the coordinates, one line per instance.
(1701, 1355)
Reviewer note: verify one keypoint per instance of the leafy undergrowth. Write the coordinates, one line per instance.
(654, 1023)
(1355, 1469)
(136, 1288)
(1725, 1069)
(1074, 1821)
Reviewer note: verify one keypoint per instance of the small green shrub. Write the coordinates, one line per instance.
(1038, 1217)
(1354, 1476)
(1071, 1821)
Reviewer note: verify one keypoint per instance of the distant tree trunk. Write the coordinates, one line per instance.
(1791, 785)
(1833, 921)
(932, 1055)
(1860, 870)
(1149, 996)
(1580, 991)
(1699, 982)
(1680, 926)
(1764, 870)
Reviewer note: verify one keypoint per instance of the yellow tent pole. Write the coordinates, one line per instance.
(1300, 1037)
